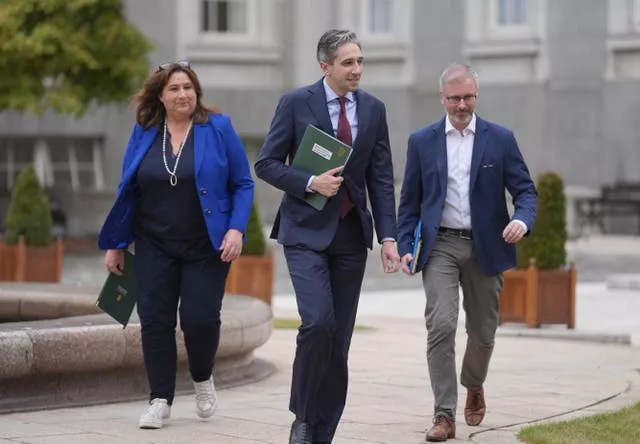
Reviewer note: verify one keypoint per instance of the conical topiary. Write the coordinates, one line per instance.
(548, 238)
(29, 213)
(256, 244)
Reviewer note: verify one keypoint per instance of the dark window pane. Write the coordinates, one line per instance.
(205, 16)
(62, 178)
(23, 151)
(58, 150)
(84, 150)
(222, 14)
(87, 180)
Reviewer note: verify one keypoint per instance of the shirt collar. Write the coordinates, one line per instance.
(471, 127)
(331, 94)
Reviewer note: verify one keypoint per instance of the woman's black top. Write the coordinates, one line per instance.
(166, 214)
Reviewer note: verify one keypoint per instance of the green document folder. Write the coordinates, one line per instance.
(317, 153)
(118, 295)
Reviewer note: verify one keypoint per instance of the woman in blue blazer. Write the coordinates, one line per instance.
(184, 199)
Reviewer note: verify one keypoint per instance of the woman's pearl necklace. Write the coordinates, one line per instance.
(173, 179)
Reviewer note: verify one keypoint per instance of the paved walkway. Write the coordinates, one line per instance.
(390, 401)
(602, 314)
(542, 374)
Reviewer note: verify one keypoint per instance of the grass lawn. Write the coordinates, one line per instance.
(621, 427)
(291, 323)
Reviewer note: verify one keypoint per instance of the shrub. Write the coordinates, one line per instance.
(256, 244)
(29, 213)
(548, 238)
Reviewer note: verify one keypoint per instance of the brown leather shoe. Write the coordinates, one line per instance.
(443, 428)
(475, 407)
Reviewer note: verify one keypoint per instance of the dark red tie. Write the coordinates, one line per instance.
(344, 135)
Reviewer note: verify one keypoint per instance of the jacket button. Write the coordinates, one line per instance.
(203, 191)
(207, 211)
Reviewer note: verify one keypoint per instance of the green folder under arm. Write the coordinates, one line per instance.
(317, 153)
(118, 295)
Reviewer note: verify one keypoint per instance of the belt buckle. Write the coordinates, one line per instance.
(463, 235)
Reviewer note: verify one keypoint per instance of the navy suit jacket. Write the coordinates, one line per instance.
(496, 164)
(370, 167)
(223, 182)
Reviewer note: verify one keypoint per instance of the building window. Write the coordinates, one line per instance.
(635, 15)
(380, 20)
(512, 12)
(15, 155)
(62, 163)
(225, 16)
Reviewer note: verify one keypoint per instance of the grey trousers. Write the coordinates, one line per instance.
(452, 263)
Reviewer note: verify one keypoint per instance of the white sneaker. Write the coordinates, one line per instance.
(206, 398)
(154, 417)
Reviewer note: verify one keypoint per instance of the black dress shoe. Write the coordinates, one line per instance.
(301, 433)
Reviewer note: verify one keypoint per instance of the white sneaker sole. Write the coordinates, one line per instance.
(207, 414)
(153, 425)
(150, 425)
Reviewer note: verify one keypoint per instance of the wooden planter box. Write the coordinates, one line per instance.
(22, 263)
(252, 276)
(536, 297)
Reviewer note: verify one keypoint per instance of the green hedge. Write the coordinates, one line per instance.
(29, 212)
(256, 244)
(547, 241)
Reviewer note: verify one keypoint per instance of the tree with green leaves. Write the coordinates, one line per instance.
(67, 55)
(29, 212)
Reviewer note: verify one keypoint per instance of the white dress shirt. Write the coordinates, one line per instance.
(457, 207)
(457, 210)
(333, 104)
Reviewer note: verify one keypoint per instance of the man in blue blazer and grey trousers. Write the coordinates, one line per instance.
(456, 174)
(326, 251)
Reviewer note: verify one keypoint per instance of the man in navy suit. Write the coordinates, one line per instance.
(456, 174)
(326, 251)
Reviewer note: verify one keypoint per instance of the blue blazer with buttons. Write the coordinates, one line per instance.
(496, 165)
(222, 175)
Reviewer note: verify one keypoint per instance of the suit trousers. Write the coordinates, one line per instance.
(327, 286)
(167, 273)
(452, 263)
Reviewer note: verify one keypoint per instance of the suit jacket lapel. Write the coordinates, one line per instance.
(363, 111)
(143, 146)
(479, 143)
(318, 104)
(441, 155)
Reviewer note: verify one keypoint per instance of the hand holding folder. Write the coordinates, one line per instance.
(118, 295)
(417, 247)
(318, 153)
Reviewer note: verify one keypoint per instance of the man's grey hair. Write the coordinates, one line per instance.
(457, 72)
(330, 42)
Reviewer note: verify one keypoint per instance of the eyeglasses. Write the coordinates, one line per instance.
(454, 100)
(182, 63)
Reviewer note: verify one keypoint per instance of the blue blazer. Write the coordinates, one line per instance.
(297, 223)
(496, 164)
(223, 182)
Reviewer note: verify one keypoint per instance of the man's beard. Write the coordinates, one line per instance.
(466, 118)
